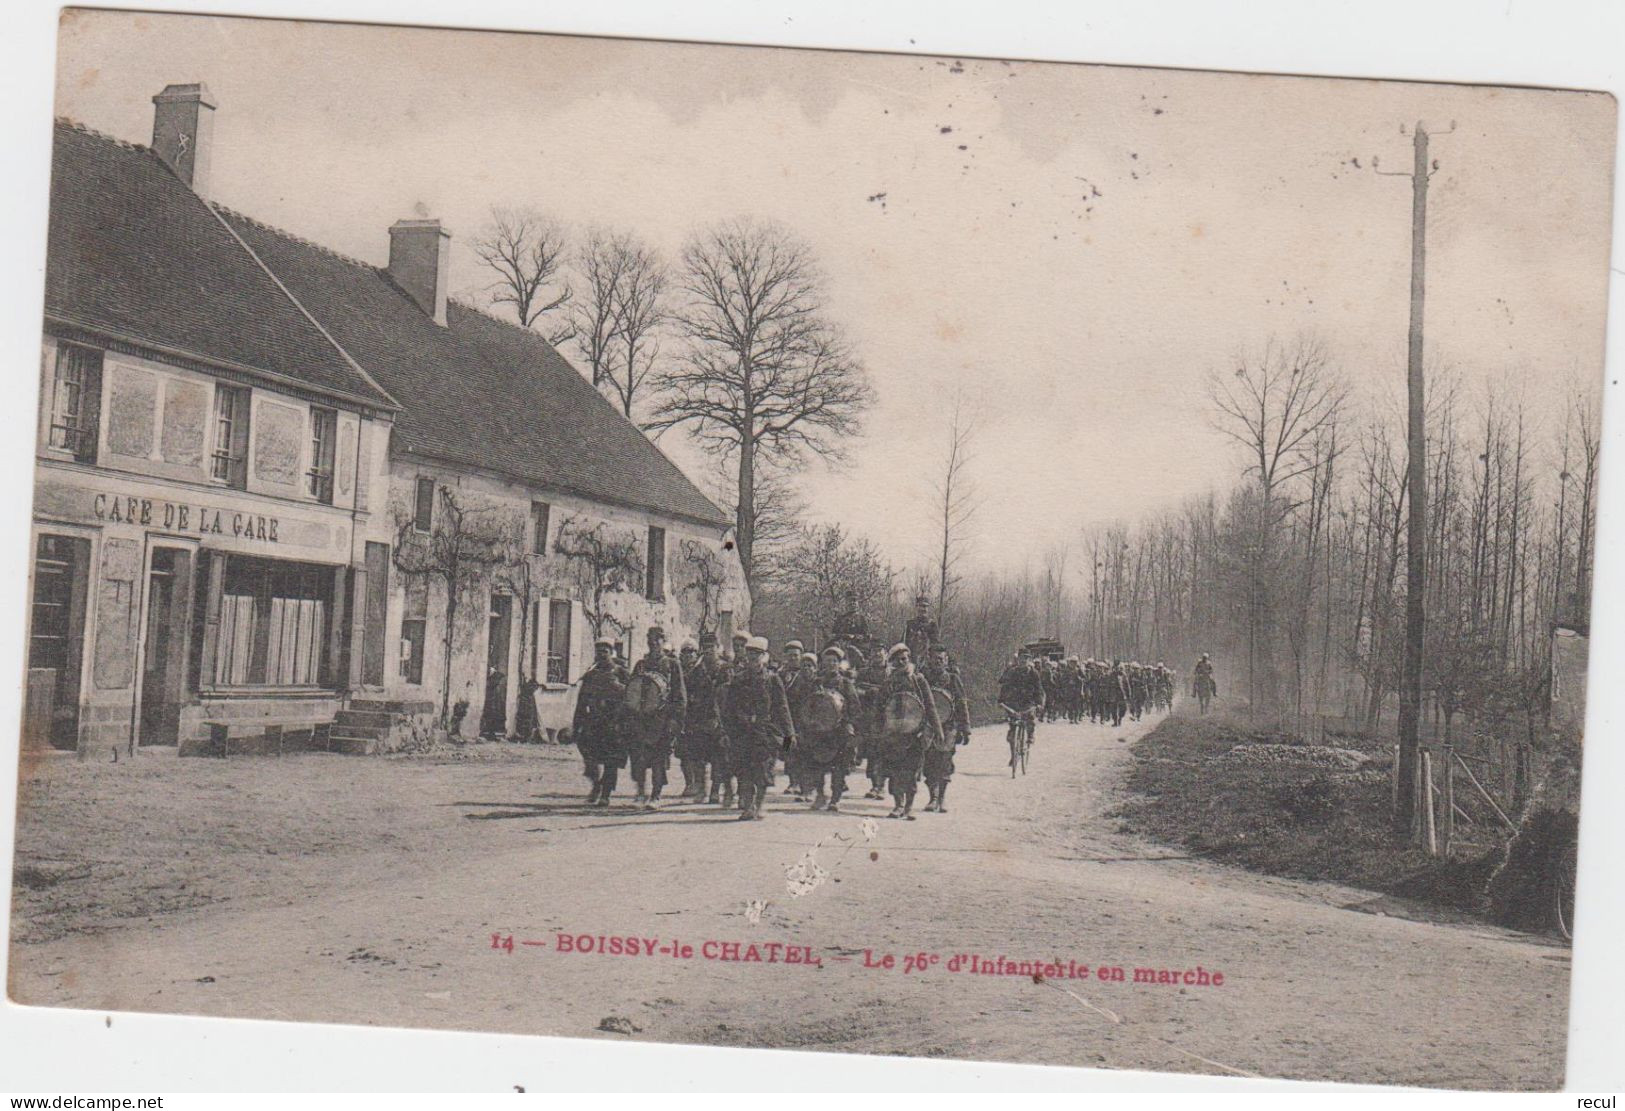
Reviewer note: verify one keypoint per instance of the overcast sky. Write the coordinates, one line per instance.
(1074, 246)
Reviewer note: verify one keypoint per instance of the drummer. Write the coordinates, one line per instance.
(902, 747)
(939, 755)
(827, 728)
(652, 732)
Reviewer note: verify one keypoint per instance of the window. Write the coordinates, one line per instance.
(558, 640)
(76, 401)
(423, 510)
(414, 624)
(228, 464)
(654, 587)
(540, 511)
(323, 431)
(273, 623)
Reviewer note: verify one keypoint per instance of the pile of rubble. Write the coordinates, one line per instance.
(1316, 756)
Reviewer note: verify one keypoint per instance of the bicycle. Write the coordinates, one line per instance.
(1022, 725)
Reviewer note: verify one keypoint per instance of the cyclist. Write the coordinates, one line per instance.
(1021, 693)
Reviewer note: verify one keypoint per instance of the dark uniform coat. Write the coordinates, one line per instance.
(756, 722)
(597, 722)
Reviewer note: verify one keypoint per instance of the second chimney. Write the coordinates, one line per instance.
(420, 262)
(183, 132)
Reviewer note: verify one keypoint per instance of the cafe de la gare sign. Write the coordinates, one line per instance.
(183, 517)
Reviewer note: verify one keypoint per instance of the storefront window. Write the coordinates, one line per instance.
(273, 624)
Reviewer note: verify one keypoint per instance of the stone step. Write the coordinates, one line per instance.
(361, 732)
(352, 746)
(376, 718)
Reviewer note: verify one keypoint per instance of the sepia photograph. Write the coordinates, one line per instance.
(870, 553)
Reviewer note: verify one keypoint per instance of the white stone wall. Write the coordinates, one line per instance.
(506, 506)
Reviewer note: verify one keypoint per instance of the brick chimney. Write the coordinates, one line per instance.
(183, 132)
(420, 261)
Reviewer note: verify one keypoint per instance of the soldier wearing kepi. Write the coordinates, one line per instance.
(829, 728)
(756, 717)
(941, 673)
(596, 725)
(903, 749)
(654, 729)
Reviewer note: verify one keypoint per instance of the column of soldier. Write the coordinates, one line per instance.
(1104, 692)
(732, 718)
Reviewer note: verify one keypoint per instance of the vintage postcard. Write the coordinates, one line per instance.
(927, 556)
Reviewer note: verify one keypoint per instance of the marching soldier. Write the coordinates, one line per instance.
(795, 679)
(1115, 689)
(756, 716)
(652, 732)
(904, 753)
(870, 679)
(596, 725)
(827, 739)
(687, 737)
(941, 674)
(1203, 686)
(921, 633)
(703, 678)
(851, 627)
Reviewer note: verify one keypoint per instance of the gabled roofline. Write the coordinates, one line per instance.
(410, 454)
(137, 345)
(306, 313)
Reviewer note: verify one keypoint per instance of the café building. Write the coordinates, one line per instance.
(203, 464)
(253, 453)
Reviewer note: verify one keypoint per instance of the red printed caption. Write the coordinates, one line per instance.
(779, 952)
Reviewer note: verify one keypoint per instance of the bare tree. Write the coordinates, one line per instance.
(820, 569)
(1278, 406)
(640, 311)
(526, 250)
(764, 377)
(955, 502)
(605, 561)
(1275, 404)
(599, 264)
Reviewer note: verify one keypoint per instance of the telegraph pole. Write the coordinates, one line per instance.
(1410, 680)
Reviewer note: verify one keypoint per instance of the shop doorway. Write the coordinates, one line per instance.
(163, 668)
(494, 717)
(56, 640)
(375, 615)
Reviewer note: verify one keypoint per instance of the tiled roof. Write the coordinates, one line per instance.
(479, 391)
(135, 254)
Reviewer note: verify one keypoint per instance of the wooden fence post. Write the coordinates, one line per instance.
(1450, 796)
(1430, 832)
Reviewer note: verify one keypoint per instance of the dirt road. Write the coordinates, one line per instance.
(1027, 870)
